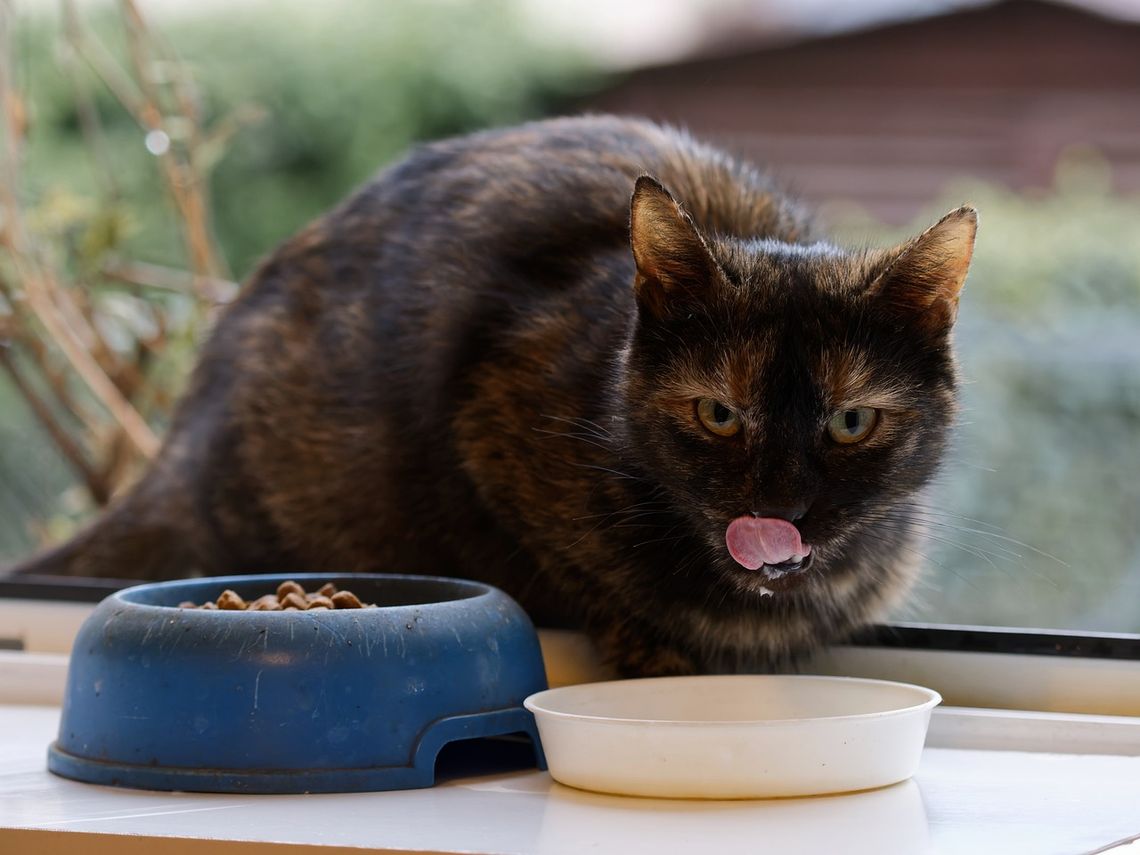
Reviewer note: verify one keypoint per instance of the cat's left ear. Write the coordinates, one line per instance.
(923, 278)
(674, 265)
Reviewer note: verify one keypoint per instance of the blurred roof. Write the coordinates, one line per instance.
(808, 19)
(889, 116)
(637, 33)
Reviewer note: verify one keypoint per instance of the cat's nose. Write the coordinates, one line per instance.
(791, 514)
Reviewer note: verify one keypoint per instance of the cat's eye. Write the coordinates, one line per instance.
(850, 426)
(717, 418)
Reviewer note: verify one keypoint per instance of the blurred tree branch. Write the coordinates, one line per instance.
(82, 328)
(215, 291)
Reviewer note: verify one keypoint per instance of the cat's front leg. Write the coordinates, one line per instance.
(634, 649)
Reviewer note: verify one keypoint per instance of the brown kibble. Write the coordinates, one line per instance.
(295, 600)
(290, 587)
(290, 597)
(346, 600)
(230, 601)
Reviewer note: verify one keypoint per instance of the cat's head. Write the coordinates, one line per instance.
(788, 398)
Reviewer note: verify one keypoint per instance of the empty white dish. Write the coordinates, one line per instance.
(733, 737)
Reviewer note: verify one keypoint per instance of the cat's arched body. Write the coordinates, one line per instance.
(462, 371)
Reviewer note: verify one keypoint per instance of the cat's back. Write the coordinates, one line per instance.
(439, 252)
(435, 256)
(562, 181)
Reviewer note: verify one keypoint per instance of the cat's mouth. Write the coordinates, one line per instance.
(770, 579)
(787, 575)
(786, 568)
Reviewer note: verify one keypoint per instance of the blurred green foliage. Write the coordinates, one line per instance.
(323, 94)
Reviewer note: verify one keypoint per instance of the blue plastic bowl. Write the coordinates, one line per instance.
(286, 702)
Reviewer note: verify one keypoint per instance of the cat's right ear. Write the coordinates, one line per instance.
(923, 278)
(674, 265)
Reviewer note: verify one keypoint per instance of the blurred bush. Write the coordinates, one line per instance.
(321, 95)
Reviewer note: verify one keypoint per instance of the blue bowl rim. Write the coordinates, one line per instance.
(124, 598)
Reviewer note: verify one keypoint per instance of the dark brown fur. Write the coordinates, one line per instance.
(451, 374)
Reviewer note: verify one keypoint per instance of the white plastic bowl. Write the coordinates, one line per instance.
(733, 737)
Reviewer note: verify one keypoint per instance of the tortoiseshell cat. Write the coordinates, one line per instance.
(705, 451)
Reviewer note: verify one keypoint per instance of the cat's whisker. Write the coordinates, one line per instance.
(604, 518)
(663, 539)
(986, 555)
(582, 424)
(628, 522)
(631, 509)
(586, 438)
(999, 551)
(659, 540)
(931, 510)
(928, 516)
(583, 536)
(978, 467)
(616, 472)
(580, 432)
(926, 558)
(931, 514)
(994, 550)
(990, 558)
(1016, 542)
(893, 525)
(901, 527)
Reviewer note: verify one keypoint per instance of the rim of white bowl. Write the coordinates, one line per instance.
(933, 699)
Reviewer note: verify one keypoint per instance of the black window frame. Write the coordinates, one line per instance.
(895, 635)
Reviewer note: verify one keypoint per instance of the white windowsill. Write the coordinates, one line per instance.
(991, 779)
(961, 801)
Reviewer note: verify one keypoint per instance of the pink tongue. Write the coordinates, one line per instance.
(754, 542)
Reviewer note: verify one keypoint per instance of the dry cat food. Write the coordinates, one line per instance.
(290, 597)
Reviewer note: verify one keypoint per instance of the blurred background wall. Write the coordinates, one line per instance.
(881, 114)
(886, 117)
